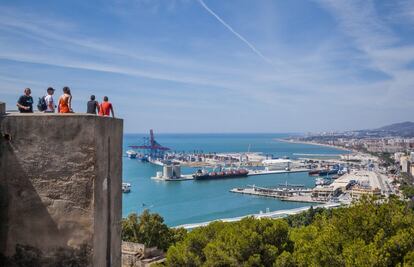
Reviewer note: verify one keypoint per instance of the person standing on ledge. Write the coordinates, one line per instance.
(65, 101)
(106, 107)
(25, 102)
(93, 106)
(50, 103)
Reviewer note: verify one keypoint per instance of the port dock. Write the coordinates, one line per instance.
(288, 193)
(183, 177)
(267, 172)
(188, 177)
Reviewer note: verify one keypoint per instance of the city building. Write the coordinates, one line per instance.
(398, 155)
(405, 164)
(358, 191)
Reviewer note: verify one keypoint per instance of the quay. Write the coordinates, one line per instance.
(273, 214)
(288, 193)
(188, 177)
(183, 177)
(267, 172)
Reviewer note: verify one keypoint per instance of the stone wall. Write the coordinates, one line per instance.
(137, 255)
(60, 187)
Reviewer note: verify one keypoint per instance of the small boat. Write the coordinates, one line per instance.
(322, 181)
(126, 187)
(131, 154)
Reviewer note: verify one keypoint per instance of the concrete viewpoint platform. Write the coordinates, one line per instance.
(60, 185)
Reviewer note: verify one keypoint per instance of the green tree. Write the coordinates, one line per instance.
(285, 260)
(360, 254)
(148, 229)
(368, 233)
(409, 259)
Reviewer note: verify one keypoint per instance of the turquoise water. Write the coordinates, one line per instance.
(199, 201)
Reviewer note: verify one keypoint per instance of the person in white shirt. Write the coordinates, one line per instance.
(50, 103)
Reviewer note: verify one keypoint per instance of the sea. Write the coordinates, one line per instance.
(184, 202)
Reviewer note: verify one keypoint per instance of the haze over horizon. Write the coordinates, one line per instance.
(217, 66)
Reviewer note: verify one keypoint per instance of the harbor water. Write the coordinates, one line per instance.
(199, 201)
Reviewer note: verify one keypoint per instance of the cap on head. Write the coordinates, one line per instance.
(92, 97)
(105, 98)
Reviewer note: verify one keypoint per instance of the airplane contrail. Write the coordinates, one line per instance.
(251, 46)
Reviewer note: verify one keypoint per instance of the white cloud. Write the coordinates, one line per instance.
(372, 36)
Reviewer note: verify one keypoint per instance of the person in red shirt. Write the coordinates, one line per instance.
(105, 108)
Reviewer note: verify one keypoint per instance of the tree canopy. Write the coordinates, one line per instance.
(150, 229)
(368, 233)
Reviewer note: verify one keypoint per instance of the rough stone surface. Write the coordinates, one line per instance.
(2, 108)
(60, 184)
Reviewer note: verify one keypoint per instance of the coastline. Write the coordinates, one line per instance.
(272, 214)
(314, 143)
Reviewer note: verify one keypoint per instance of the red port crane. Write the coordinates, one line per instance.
(152, 147)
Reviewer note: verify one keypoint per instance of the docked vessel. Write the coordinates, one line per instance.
(314, 173)
(201, 175)
(328, 172)
(322, 181)
(126, 187)
(277, 164)
(131, 154)
(324, 172)
(156, 161)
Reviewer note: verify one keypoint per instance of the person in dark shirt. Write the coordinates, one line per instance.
(25, 102)
(93, 106)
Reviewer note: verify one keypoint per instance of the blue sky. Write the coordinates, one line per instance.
(215, 65)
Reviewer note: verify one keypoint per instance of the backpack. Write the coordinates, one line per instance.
(41, 105)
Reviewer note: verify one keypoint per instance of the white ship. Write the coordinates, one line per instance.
(131, 154)
(277, 164)
(156, 162)
(126, 187)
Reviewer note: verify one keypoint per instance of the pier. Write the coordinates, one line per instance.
(267, 172)
(287, 193)
(184, 177)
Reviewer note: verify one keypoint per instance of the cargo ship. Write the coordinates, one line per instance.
(328, 172)
(201, 175)
(324, 172)
(314, 173)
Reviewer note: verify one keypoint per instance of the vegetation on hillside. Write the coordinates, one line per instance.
(366, 234)
(150, 229)
(407, 185)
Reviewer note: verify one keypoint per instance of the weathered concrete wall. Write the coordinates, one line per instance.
(60, 185)
(2, 108)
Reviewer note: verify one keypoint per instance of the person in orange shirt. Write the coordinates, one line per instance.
(106, 108)
(65, 101)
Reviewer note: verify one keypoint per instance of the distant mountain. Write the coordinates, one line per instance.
(407, 126)
(404, 129)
